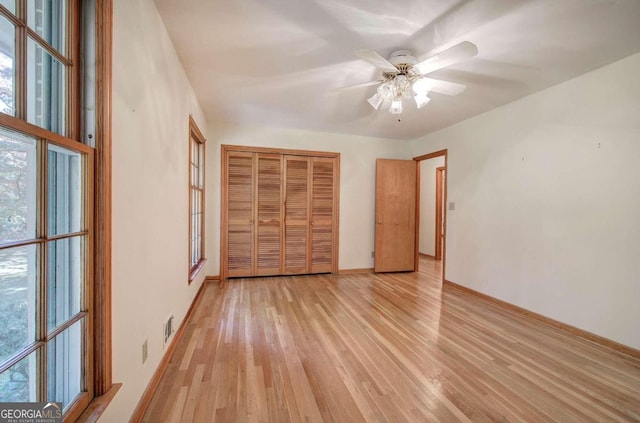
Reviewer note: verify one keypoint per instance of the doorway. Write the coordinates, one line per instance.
(431, 211)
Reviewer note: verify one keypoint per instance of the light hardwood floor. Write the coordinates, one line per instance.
(386, 347)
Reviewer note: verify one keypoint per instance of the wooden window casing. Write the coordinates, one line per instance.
(197, 159)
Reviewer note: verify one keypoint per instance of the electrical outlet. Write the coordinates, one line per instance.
(145, 351)
(373, 254)
(452, 205)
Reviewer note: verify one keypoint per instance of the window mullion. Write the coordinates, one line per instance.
(41, 379)
(66, 236)
(41, 306)
(48, 47)
(24, 353)
(73, 74)
(10, 16)
(66, 325)
(21, 243)
(20, 62)
(87, 293)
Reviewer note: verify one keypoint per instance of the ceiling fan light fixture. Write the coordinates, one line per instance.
(403, 77)
(375, 101)
(421, 100)
(422, 86)
(385, 91)
(396, 107)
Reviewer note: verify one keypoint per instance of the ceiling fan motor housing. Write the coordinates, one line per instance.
(402, 57)
(403, 60)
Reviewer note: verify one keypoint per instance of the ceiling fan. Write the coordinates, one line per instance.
(404, 77)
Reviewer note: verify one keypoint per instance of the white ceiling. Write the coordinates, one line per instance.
(279, 62)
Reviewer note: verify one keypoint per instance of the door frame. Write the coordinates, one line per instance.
(418, 159)
(440, 177)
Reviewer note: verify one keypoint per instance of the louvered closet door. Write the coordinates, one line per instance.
(269, 214)
(296, 202)
(240, 214)
(322, 214)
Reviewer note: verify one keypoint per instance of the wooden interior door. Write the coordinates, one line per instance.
(268, 254)
(296, 212)
(240, 214)
(395, 215)
(322, 214)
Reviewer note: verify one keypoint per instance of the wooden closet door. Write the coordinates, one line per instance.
(296, 211)
(268, 214)
(279, 212)
(322, 214)
(240, 214)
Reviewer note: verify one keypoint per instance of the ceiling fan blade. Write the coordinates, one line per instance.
(364, 84)
(445, 87)
(376, 60)
(448, 57)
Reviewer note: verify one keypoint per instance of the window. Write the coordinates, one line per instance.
(50, 331)
(36, 64)
(44, 251)
(196, 199)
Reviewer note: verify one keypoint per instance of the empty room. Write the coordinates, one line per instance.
(320, 211)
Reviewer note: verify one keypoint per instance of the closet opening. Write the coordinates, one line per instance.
(279, 212)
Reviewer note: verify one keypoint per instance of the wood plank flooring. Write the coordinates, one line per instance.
(383, 348)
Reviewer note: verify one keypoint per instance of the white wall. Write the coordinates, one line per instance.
(428, 205)
(547, 197)
(357, 182)
(152, 100)
(547, 193)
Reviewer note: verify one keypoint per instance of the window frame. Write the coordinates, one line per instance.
(42, 239)
(196, 136)
(100, 389)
